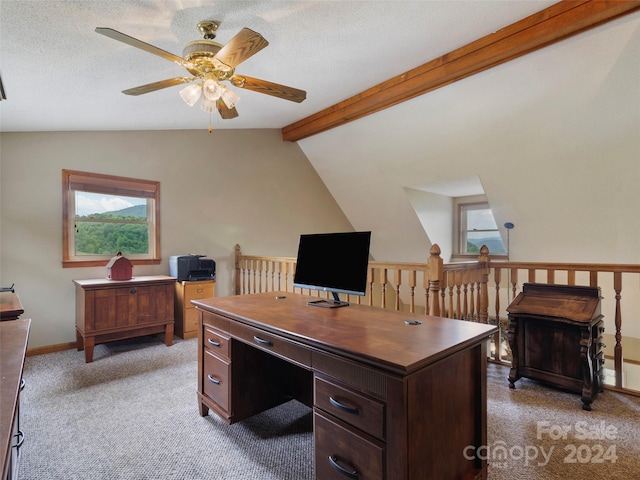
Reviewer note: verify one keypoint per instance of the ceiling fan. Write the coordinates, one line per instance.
(210, 63)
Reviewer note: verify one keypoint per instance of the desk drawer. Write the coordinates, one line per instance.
(340, 453)
(362, 412)
(216, 341)
(213, 320)
(216, 383)
(289, 350)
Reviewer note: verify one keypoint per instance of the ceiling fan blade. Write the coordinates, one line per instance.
(242, 46)
(134, 42)
(3, 96)
(225, 112)
(269, 88)
(152, 87)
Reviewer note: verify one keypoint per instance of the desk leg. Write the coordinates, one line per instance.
(168, 334)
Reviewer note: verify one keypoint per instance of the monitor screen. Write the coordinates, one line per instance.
(333, 262)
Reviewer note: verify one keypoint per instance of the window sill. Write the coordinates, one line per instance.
(103, 263)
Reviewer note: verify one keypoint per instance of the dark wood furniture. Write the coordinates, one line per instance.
(13, 347)
(186, 316)
(555, 335)
(391, 400)
(10, 306)
(108, 310)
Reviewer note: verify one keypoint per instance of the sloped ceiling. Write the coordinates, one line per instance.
(555, 131)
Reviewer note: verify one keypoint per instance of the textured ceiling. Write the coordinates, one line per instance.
(60, 75)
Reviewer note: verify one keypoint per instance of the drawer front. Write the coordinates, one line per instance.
(341, 454)
(217, 321)
(362, 412)
(190, 320)
(216, 380)
(195, 291)
(216, 341)
(272, 343)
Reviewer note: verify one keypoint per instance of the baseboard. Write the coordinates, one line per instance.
(51, 348)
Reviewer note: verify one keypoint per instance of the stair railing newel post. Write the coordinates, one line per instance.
(435, 267)
(237, 255)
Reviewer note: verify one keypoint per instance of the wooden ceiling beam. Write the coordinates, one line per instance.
(539, 30)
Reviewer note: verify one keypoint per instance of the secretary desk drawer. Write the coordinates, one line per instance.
(216, 384)
(362, 412)
(340, 453)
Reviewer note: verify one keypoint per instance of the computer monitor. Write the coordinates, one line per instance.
(333, 262)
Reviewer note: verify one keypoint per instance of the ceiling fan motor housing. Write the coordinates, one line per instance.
(201, 53)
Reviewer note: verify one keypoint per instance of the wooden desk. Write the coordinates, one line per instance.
(10, 306)
(13, 347)
(391, 401)
(108, 310)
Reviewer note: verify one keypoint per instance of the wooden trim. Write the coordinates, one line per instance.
(60, 347)
(111, 185)
(555, 23)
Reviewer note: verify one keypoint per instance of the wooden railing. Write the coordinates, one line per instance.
(478, 291)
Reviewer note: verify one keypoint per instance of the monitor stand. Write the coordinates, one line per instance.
(328, 303)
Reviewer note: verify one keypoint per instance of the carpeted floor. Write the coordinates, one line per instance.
(132, 414)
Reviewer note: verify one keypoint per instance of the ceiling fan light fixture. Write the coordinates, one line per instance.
(207, 105)
(229, 97)
(191, 93)
(211, 90)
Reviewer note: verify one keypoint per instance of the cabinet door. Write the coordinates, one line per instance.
(163, 298)
(112, 308)
(145, 304)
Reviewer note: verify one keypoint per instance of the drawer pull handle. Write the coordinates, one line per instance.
(602, 345)
(262, 341)
(213, 343)
(22, 384)
(213, 380)
(132, 291)
(20, 436)
(333, 460)
(342, 406)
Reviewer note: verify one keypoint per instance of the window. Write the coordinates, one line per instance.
(103, 215)
(477, 228)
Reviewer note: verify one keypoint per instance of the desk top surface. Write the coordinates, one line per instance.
(371, 335)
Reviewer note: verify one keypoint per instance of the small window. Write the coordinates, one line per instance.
(477, 228)
(104, 215)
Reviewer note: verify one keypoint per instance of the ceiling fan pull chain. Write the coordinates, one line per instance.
(210, 127)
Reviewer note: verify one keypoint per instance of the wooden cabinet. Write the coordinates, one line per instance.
(186, 316)
(108, 310)
(384, 394)
(13, 347)
(555, 335)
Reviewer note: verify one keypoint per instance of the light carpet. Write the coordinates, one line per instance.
(133, 414)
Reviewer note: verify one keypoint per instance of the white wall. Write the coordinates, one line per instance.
(557, 154)
(216, 190)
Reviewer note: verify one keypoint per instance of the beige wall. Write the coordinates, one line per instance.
(232, 186)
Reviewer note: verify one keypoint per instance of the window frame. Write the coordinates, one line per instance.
(73, 180)
(463, 207)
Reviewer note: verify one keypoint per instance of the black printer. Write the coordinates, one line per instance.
(192, 267)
